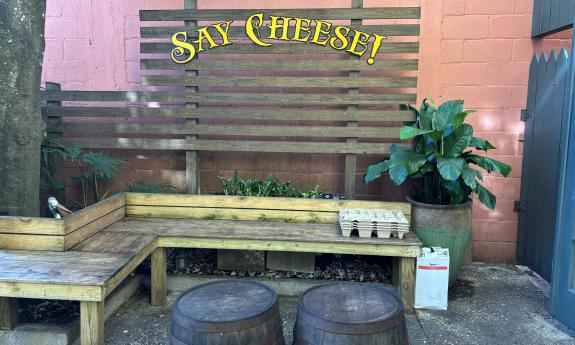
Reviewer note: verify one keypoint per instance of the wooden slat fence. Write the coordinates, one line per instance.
(550, 16)
(548, 108)
(299, 98)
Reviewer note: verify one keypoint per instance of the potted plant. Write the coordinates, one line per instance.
(441, 165)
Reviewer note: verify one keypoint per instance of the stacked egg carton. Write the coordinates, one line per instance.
(382, 222)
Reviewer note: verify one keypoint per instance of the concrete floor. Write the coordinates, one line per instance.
(492, 304)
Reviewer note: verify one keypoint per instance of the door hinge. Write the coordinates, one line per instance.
(524, 115)
(517, 207)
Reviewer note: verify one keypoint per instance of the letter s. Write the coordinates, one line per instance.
(181, 47)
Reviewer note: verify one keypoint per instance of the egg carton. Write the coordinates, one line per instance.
(381, 222)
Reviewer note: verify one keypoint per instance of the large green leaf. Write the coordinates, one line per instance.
(458, 119)
(404, 162)
(491, 165)
(445, 114)
(425, 114)
(459, 141)
(450, 168)
(375, 171)
(408, 132)
(481, 144)
(470, 177)
(486, 197)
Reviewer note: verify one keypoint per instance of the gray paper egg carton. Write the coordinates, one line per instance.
(384, 223)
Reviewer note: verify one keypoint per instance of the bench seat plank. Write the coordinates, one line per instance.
(250, 230)
(68, 268)
(115, 242)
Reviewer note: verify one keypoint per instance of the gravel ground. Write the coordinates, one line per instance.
(361, 268)
(491, 304)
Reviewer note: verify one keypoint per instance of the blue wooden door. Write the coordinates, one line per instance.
(563, 277)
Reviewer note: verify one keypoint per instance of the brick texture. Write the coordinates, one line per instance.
(477, 50)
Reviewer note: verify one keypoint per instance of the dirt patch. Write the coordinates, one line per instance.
(462, 288)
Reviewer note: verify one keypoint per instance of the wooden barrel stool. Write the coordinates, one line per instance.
(230, 312)
(350, 314)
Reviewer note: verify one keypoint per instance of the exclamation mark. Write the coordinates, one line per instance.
(374, 48)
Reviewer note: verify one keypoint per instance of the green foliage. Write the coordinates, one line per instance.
(141, 187)
(271, 187)
(442, 157)
(96, 168)
(47, 176)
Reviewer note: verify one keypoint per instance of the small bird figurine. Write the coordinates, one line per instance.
(57, 210)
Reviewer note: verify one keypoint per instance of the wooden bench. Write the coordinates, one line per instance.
(88, 273)
(90, 270)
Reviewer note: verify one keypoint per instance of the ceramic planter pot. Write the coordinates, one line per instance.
(447, 226)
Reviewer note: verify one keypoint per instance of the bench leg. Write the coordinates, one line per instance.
(92, 323)
(8, 312)
(159, 276)
(407, 282)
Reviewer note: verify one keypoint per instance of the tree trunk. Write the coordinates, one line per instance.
(21, 125)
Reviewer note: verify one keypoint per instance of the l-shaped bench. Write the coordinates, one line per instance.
(83, 257)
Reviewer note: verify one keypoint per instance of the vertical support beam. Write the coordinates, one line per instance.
(92, 323)
(56, 162)
(8, 312)
(192, 157)
(159, 276)
(407, 282)
(395, 271)
(351, 159)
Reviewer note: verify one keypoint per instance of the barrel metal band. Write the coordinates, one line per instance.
(216, 327)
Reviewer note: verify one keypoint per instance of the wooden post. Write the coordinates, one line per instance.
(407, 282)
(8, 312)
(159, 276)
(92, 323)
(192, 159)
(57, 163)
(351, 158)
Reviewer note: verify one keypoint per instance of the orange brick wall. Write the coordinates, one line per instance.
(478, 50)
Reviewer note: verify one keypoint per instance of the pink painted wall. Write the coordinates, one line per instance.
(478, 50)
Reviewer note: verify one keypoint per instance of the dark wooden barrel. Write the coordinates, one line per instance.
(230, 312)
(350, 314)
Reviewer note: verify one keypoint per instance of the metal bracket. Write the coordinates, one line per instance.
(524, 115)
(518, 208)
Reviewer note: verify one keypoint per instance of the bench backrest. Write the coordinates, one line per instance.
(60, 234)
(247, 208)
(298, 98)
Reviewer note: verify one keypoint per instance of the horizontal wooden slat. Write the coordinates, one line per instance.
(93, 212)
(230, 130)
(240, 31)
(293, 98)
(231, 214)
(230, 98)
(315, 13)
(279, 48)
(94, 227)
(262, 203)
(270, 82)
(233, 113)
(32, 225)
(31, 242)
(282, 65)
(238, 146)
(52, 291)
(113, 96)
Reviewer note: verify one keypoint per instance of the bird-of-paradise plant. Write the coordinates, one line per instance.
(443, 156)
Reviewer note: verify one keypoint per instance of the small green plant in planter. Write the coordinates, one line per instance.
(442, 165)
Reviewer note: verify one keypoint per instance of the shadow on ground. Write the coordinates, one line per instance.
(491, 304)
